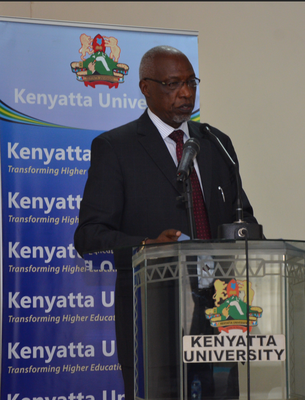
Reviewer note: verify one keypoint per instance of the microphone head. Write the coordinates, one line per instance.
(205, 128)
(192, 143)
(190, 150)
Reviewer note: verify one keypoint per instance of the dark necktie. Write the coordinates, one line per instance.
(200, 213)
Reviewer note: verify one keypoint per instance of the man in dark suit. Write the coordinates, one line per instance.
(131, 192)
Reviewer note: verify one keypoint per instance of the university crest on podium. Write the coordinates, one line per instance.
(230, 311)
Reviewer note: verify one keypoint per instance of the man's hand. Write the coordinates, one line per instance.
(169, 235)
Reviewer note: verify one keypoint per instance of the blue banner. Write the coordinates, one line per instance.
(63, 86)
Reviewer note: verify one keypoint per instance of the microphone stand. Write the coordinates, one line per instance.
(187, 198)
(238, 229)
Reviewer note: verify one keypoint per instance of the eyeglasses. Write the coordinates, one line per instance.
(174, 85)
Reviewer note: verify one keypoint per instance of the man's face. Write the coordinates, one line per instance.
(172, 106)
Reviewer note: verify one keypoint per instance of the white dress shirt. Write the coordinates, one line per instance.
(165, 130)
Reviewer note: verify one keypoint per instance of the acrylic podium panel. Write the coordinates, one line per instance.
(190, 302)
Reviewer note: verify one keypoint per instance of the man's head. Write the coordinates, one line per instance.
(167, 82)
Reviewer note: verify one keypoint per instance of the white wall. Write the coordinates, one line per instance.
(251, 59)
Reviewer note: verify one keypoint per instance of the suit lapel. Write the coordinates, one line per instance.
(151, 140)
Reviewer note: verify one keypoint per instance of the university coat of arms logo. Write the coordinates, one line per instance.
(230, 311)
(96, 67)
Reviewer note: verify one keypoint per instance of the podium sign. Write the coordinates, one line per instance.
(193, 335)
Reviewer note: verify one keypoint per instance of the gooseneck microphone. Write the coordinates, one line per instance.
(238, 229)
(190, 150)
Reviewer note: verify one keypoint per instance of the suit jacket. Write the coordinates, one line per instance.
(131, 193)
(131, 189)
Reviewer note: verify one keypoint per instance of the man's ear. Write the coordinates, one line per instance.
(144, 87)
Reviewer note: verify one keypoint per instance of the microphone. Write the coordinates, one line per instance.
(238, 229)
(190, 150)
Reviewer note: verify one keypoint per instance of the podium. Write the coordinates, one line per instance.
(220, 319)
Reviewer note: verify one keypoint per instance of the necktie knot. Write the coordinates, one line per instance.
(177, 136)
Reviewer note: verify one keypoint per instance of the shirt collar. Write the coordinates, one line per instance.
(164, 129)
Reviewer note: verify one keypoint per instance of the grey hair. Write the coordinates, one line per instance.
(147, 66)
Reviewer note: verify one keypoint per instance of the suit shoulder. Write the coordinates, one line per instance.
(195, 128)
(223, 137)
(125, 133)
(119, 134)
